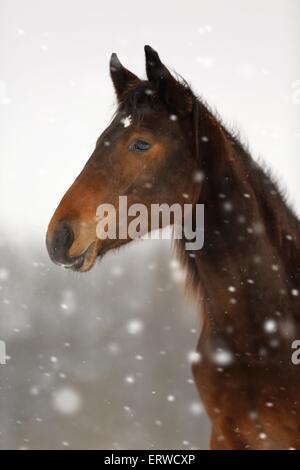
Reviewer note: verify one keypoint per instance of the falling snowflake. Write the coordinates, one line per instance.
(228, 206)
(34, 391)
(231, 289)
(139, 357)
(4, 274)
(66, 401)
(196, 408)
(222, 357)
(174, 264)
(113, 348)
(179, 275)
(194, 357)
(68, 303)
(269, 404)
(171, 398)
(130, 379)
(117, 271)
(126, 121)
(198, 177)
(270, 326)
(135, 326)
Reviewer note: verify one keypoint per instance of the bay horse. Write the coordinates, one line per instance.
(165, 145)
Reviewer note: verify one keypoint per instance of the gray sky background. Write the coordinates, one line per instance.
(56, 96)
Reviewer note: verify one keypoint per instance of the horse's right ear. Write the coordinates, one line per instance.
(121, 77)
(175, 94)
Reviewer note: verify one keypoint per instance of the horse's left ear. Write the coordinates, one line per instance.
(176, 95)
(121, 77)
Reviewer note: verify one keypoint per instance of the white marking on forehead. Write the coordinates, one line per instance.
(126, 121)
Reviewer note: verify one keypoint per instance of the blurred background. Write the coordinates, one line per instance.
(101, 360)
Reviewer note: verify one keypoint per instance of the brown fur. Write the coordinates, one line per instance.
(244, 275)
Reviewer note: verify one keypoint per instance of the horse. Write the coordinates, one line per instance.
(165, 145)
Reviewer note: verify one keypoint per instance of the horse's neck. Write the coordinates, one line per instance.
(249, 264)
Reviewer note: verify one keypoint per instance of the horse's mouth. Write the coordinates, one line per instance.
(86, 260)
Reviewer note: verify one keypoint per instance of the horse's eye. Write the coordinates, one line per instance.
(139, 146)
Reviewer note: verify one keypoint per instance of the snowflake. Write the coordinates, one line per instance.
(139, 357)
(179, 275)
(171, 398)
(198, 177)
(126, 121)
(66, 401)
(196, 408)
(130, 379)
(4, 274)
(222, 357)
(269, 404)
(194, 357)
(117, 271)
(34, 391)
(270, 326)
(135, 326)
(231, 289)
(228, 206)
(258, 228)
(113, 348)
(174, 264)
(68, 304)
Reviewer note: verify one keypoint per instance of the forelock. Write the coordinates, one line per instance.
(139, 99)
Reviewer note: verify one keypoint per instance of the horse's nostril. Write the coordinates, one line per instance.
(60, 242)
(65, 235)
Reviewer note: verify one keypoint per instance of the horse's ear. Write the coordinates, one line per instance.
(121, 77)
(176, 95)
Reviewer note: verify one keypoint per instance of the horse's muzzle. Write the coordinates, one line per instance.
(59, 243)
